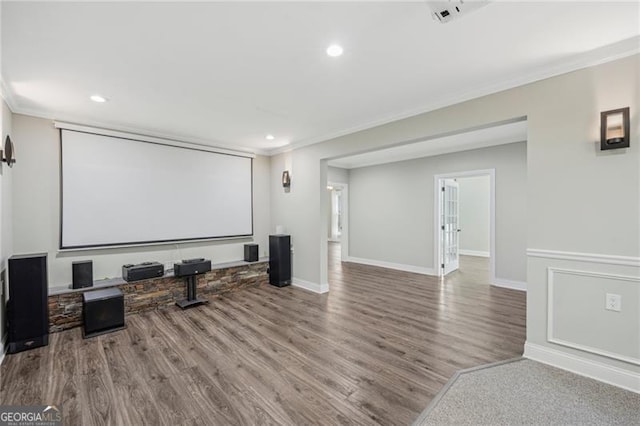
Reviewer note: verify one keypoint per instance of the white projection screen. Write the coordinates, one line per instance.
(118, 191)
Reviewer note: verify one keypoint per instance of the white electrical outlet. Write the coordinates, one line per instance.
(613, 302)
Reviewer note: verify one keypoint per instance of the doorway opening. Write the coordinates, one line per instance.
(464, 221)
(337, 216)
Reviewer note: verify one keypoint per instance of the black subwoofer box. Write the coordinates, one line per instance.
(103, 311)
(27, 308)
(250, 252)
(82, 274)
(280, 260)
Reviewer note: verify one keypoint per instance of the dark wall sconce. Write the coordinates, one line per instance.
(8, 156)
(614, 129)
(286, 179)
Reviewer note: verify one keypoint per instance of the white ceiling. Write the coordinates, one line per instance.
(227, 74)
(496, 135)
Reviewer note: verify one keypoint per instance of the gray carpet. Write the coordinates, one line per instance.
(522, 392)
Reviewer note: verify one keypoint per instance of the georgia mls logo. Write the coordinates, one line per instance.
(51, 408)
(36, 415)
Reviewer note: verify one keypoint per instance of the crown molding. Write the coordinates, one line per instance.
(583, 60)
(6, 94)
(609, 53)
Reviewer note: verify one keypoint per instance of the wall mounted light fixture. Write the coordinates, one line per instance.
(286, 179)
(614, 129)
(8, 156)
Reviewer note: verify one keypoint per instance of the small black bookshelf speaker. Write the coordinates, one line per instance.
(250, 252)
(82, 274)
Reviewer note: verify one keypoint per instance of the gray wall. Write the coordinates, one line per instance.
(337, 175)
(36, 207)
(6, 237)
(475, 212)
(572, 190)
(392, 208)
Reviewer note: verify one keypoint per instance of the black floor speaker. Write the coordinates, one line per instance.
(27, 308)
(280, 260)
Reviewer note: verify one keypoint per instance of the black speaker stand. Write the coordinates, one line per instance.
(192, 298)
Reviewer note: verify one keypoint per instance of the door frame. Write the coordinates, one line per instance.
(344, 238)
(437, 217)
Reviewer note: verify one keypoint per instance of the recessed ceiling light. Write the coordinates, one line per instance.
(98, 98)
(334, 50)
(269, 137)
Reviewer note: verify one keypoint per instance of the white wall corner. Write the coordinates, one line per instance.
(514, 285)
(389, 265)
(310, 286)
(615, 376)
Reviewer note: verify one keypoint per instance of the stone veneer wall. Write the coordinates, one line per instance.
(65, 310)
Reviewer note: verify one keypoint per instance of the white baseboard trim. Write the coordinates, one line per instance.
(309, 286)
(390, 265)
(474, 253)
(596, 370)
(514, 285)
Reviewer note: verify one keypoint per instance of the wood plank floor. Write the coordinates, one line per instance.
(375, 350)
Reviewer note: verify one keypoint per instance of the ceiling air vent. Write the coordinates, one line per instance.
(445, 11)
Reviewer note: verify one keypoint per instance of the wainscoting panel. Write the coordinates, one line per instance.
(590, 326)
(568, 325)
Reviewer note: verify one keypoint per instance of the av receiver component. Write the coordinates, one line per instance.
(142, 271)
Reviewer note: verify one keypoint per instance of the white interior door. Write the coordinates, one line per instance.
(450, 225)
(336, 214)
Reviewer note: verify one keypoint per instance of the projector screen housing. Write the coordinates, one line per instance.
(117, 192)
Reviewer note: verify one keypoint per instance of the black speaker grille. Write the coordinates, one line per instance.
(280, 260)
(28, 309)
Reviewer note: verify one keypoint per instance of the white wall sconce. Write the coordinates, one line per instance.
(286, 180)
(614, 129)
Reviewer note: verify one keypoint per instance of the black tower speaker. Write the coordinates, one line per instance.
(280, 260)
(250, 252)
(27, 308)
(82, 274)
